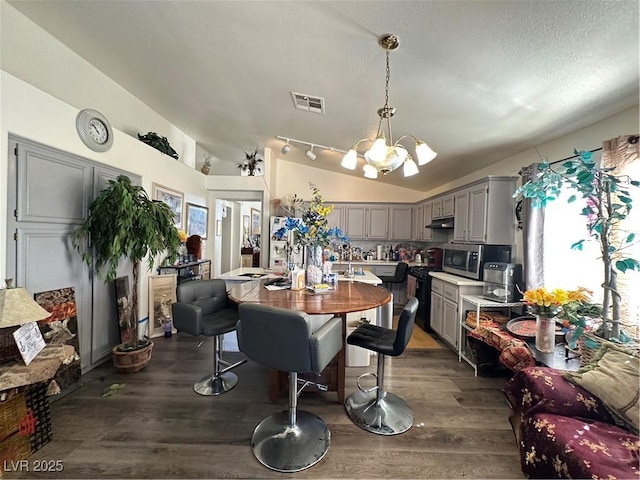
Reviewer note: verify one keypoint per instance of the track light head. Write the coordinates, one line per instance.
(309, 153)
(285, 148)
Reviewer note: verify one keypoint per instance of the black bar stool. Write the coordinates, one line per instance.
(375, 409)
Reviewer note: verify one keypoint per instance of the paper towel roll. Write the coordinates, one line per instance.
(378, 252)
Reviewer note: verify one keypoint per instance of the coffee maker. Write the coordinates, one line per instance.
(502, 282)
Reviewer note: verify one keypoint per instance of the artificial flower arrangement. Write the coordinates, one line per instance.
(573, 307)
(183, 236)
(313, 228)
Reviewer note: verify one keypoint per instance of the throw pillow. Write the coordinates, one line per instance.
(612, 376)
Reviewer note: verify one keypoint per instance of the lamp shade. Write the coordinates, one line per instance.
(424, 153)
(350, 159)
(18, 307)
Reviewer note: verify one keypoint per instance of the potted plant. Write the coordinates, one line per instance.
(250, 163)
(206, 167)
(123, 222)
(607, 201)
(159, 143)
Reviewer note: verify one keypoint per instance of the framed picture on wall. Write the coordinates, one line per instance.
(255, 222)
(162, 293)
(172, 198)
(246, 225)
(197, 220)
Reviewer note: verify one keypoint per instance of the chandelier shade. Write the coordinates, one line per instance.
(385, 155)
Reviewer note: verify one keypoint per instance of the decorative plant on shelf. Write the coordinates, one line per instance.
(159, 143)
(123, 222)
(250, 163)
(607, 202)
(206, 167)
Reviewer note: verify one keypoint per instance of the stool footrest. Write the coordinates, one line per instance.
(367, 390)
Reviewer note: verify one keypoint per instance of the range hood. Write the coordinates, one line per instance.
(442, 223)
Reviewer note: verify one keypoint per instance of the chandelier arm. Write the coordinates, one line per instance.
(405, 136)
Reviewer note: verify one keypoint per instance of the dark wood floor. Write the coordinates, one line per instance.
(158, 427)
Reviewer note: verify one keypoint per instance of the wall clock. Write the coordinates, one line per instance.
(94, 130)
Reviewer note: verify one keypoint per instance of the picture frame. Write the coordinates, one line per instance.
(197, 220)
(162, 294)
(255, 222)
(173, 198)
(246, 223)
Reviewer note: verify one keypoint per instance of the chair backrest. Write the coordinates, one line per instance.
(275, 337)
(402, 270)
(405, 326)
(209, 295)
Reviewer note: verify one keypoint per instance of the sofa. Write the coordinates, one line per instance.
(565, 430)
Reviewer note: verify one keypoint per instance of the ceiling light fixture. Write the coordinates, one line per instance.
(285, 148)
(386, 157)
(309, 153)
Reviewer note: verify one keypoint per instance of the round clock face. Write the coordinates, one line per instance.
(94, 130)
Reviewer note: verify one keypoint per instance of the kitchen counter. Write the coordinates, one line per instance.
(456, 279)
(246, 274)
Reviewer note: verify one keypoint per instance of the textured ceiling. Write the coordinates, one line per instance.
(476, 80)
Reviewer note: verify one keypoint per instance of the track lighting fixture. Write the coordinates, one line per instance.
(309, 153)
(285, 148)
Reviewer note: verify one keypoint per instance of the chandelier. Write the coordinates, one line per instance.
(386, 157)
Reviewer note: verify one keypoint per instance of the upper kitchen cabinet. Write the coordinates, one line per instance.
(401, 222)
(418, 222)
(431, 234)
(484, 212)
(442, 207)
(367, 223)
(336, 217)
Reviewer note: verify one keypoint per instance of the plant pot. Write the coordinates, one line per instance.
(130, 361)
(205, 169)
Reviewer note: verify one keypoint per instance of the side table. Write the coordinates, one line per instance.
(559, 359)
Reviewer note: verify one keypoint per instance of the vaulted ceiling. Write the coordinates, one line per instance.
(476, 80)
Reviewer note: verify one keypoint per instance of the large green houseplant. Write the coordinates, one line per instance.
(607, 201)
(123, 222)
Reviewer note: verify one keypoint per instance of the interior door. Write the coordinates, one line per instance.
(227, 242)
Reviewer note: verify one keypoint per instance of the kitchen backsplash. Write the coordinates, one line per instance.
(361, 249)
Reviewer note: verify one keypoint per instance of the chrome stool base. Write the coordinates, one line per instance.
(212, 385)
(285, 448)
(388, 416)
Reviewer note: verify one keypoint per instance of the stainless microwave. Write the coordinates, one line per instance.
(468, 260)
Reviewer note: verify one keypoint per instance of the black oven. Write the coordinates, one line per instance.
(423, 294)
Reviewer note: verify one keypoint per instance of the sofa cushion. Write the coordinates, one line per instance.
(555, 446)
(613, 377)
(544, 389)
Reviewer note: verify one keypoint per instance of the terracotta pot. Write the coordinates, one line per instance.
(130, 361)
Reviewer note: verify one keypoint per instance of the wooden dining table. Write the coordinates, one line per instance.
(349, 296)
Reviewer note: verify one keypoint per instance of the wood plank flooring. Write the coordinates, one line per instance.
(156, 426)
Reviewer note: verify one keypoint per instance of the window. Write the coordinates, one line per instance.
(566, 268)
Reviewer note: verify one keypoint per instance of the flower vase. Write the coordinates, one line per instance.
(313, 265)
(545, 334)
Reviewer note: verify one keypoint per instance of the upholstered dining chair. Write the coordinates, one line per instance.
(281, 339)
(375, 409)
(203, 308)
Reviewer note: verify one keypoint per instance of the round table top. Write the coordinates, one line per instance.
(348, 297)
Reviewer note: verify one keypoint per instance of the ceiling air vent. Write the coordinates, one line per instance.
(308, 103)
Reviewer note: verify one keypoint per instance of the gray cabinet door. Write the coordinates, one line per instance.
(400, 218)
(477, 221)
(49, 192)
(461, 218)
(355, 223)
(378, 223)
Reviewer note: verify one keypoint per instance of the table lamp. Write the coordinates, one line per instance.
(17, 307)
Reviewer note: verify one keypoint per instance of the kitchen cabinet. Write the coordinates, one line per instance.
(447, 311)
(336, 217)
(401, 222)
(418, 222)
(367, 223)
(443, 207)
(484, 212)
(431, 234)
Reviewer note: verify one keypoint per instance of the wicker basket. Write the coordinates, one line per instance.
(486, 318)
(590, 343)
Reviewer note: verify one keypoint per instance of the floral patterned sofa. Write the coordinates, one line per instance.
(565, 431)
